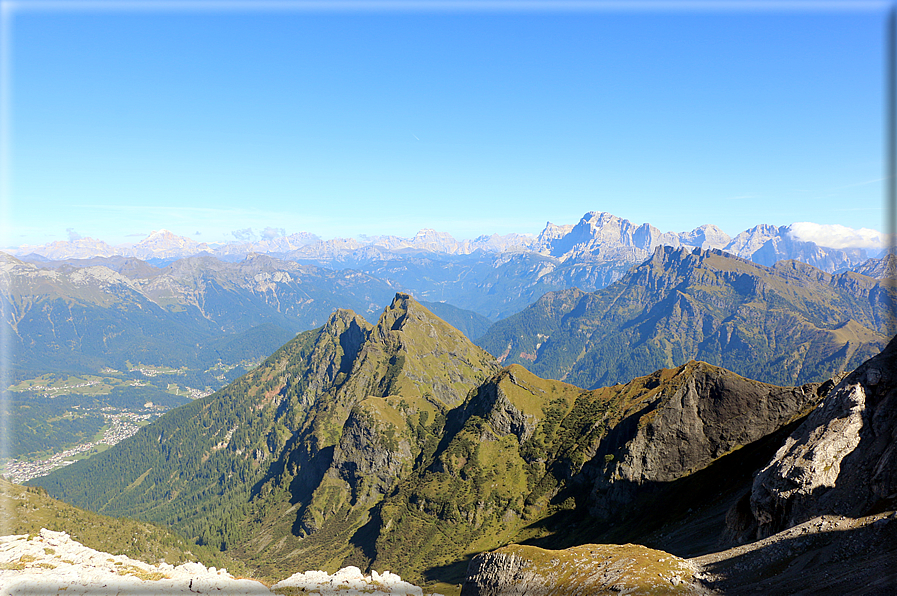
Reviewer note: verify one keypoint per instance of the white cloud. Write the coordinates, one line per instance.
(244, 235)
(270, 233)
(836, 236)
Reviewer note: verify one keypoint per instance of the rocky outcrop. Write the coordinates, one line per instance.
(492, 404)
(586, 569)
(348, 581)
(52, 562)
(842, 460)
(827, 555)
(703, 413)
(374, 451)
(880, 268)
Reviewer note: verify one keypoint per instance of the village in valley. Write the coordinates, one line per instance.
(120, 420)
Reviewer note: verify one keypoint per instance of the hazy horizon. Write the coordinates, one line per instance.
(384, 119)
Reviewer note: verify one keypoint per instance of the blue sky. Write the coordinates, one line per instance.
(386, 121)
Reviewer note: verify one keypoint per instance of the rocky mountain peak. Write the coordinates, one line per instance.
(550, 233)
(685, 419)
(706, 236)
(342, 319)
(880, 268)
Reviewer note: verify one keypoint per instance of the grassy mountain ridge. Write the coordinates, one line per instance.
(786, 324)
(403, 446)
(220, 467)
(523, 451)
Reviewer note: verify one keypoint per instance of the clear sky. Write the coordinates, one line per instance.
(209, 118)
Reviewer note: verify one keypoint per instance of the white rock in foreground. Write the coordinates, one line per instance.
(53, 563)
(349, 581)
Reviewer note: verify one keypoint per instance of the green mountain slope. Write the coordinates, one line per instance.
(191, 313)
(261, 457)
(402, 446)
(26, 510)
(525, 457)
(786, 324)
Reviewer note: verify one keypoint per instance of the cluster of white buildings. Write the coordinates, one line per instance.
(123, 425)
(61, 390)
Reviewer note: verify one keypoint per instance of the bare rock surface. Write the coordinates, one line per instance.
(586, 569)
(53, 563)
(349, 581)
(706, 413)
(828, 554)
(842, 460)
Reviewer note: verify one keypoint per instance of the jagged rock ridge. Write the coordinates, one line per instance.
(786, 324)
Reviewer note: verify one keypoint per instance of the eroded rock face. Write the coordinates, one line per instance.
(842, 460)
(492, 404)
(709, 413)
(373, 454)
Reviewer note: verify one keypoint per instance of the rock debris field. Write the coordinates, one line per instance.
(53, 563)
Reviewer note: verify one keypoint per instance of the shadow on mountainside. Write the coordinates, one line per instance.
(687, 517)
(826, 555)
(452, 573)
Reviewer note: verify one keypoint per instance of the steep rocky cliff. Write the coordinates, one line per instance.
(701, 414)
(842, 460)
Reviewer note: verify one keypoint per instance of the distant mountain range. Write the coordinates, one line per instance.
(494, 276)
(192, 313)
(785, 324)
(403, 445)
(598, 236)
(83, 315)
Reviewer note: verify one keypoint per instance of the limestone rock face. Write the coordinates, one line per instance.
(842, 460)
(785, 246)
(52, 562)
(705, 237)
(348, 581)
